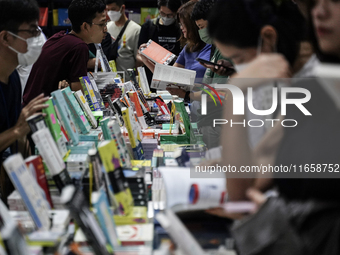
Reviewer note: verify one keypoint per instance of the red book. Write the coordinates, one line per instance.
(43, 16)
(35, 165)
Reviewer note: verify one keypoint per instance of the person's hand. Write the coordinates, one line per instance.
(144, 59)
(36, 105)
(226, 69)
(257, 197)
(63, 84)
(177, 91)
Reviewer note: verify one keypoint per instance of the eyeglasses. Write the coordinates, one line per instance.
(167, 15)
(34, 32)
(102, 25)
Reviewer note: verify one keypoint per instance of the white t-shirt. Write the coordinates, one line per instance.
(128, 44)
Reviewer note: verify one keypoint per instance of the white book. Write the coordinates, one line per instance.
(86, 108)
(29, 191)
(49, 151)
(143, 80)
(171, 76)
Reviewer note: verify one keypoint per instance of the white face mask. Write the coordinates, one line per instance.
(114, 16)
(167, 21)
(34, 47)
(243, 66)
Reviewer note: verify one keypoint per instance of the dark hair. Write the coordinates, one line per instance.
(239, 23)
(173, 5)
(202, 9)
(193, 40)
(312, 37)
(117, 2)
(13, 13)
(81, 11)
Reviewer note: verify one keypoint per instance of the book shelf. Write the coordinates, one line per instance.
(51, 29)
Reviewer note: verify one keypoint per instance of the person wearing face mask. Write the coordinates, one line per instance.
(128, 44)
(163, 30)
(19, 45)
(65, 55)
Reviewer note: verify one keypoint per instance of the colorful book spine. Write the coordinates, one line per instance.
(105, 217)
(49, 152)
(107, 151)
(54, 127)
(89, 93)
(29, 191)
(35, 164)
(186, 121)
(97, 93)
(84, 105)
(66, 116)
(106, 131)
(76, 111)
(133, 133)
(140, 116)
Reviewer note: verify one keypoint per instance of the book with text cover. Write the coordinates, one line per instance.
(89, 93)
(35, 165)
(96, 92)
(157, 53)
(66, 116)
(51, 120)
(76, 111)
(84, 105)
(105, 217)
(172, 77)
(107, 151)
(29, 191)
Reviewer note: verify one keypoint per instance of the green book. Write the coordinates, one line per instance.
(54, 127)
(180, 108)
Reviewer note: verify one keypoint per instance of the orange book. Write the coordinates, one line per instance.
(158, 54)
(43, 16)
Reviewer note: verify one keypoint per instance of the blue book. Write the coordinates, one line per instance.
(66, 116)
(63, 19)
(89, 93)
(77, 113)
(105, 217)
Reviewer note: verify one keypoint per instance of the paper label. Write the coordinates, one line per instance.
(53, 118)
(82, 118)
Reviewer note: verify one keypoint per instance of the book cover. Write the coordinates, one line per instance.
(29, 190)
(63, 19)
(107, 151)
(134, 136)
(105, 217)
(66, 116)
(49, 152)
(43, 16)
(140, 116)
(106, 131)
(144, 84)
(55, 17)
(141, 234)
(97, 93)
(79, 208)
(89, 93)
(36, 122)
(177, 77)
(180, 108)
(54, 127)
(148, 13)
(35, 165)
(84, 105)
(138, 215)
(157, 53)
(76, 111)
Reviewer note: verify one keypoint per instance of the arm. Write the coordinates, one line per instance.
(139, 61)
(21, 128)
(75, 86)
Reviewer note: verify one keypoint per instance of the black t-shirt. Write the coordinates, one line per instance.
(166, 36)
(315, 140)
(10, 103)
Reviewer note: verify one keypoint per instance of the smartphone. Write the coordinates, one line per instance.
(211, 63)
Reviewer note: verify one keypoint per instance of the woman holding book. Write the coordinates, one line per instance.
(305, 218)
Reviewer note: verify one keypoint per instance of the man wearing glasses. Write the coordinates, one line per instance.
(65, 55)
(128, 44)
(19, 45)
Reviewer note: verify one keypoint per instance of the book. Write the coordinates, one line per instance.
(49, 152)
(148, 13)
(105, 217)
(134, 135)
(157, 53)
(138, 215)
(63, 19)
(171, 76)
(144, 84)
(141, 234)
(97, 93)
(43, 16)
(66, 116)
(79, 208)
(140, 116)
(36, 122)
(108, 153)
(54, 127)
(89, 93)
(35, 165)
(84, 105)
(29, 190)
(77, 113)
(180, 108)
